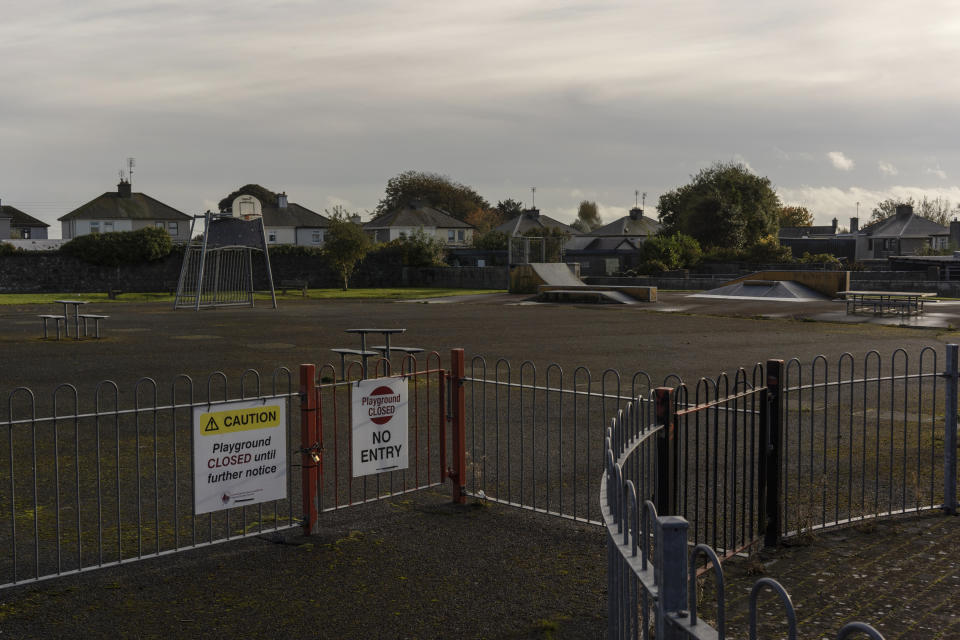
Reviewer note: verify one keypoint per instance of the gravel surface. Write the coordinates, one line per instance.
(415, 566)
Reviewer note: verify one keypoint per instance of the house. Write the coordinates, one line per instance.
(899, 235)
(612, 248)
(124, 210)
(532, 220)
(817, 239)
(418, 215)
(287, 222)
(17, 225)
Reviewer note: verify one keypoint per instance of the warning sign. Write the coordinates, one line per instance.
(240, 454)
(379, 426)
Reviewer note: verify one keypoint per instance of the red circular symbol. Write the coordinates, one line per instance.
(378, 413)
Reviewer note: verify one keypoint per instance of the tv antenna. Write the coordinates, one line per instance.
(131, 163)
(533, 197)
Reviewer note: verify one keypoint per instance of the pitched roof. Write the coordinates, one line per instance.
(19, 218)
(532, 219)
(906, 226)
(417, 214)
(113, 206)
(634, 224)
(293, 215)
(807, 232)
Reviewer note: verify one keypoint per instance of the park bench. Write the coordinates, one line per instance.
(293, 284)
(56, 319)
(96, 323)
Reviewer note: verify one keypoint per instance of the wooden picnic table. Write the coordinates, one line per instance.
(881, 302)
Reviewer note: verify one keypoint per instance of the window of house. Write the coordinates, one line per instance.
(25, 233)
(461, 235)
(403, 234)
(108, 226)
(159, 225)
(172, 228)
(316, 237)
(95, 227)
(451, 236)
(272, 236)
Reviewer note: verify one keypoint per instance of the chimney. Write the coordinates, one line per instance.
(834, 226)
(533, 213)
(123, 189)
(282, 200)
(955, 233)
(355, 218)
(904, 211)
(854, 225)
(636, 213)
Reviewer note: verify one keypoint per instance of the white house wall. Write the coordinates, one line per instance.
(281, 235)
(305, 237)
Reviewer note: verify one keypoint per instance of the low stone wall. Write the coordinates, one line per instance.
(56, 273)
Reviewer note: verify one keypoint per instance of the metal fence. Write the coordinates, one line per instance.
(533, 436)
(786, 449)
(97, 484)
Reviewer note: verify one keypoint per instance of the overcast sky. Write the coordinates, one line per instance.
(835, 102)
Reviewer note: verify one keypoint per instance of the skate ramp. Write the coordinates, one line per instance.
(773, 290)
(527, 278)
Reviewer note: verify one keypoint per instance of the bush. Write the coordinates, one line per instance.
(668, 252)
(120, 247)
(417, 250)
(7, 249)
(766, 251)
(294, 250)
(827, 259)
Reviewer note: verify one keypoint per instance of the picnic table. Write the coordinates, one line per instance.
(66, 316)
(363, 352)
(882, 302)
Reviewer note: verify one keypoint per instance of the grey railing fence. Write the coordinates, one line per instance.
(97, 483)
(533, 437)
(825, 446)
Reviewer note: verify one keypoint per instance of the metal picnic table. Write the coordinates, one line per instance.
(881, 302)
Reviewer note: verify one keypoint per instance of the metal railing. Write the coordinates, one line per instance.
(651, 569)
(96, 484)
(532, 434)
(822, 449)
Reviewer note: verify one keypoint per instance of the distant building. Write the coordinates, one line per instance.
(290, 223)
(532, 220)
(124, 210)
(17, 225)
(901, 234)
(418, 215)
(612, 248)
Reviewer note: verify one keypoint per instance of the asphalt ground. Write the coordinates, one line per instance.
(414, 565)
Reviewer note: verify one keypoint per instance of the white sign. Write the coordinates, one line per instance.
(246, 208)
(379, 426)
(240, 454)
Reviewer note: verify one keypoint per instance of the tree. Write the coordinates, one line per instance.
(668, 252)
(588, 218)
(937, 210)
(484, 219)
(553, 240)
(491, 241)
(795, 217)
(887, 208)
(437, 190)
(723, 206)
(345, 245)
(265, 196)
(509, 208)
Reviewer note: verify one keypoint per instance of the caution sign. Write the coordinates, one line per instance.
(379, 426)
(240, 454)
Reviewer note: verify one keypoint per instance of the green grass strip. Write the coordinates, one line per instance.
(314, 294)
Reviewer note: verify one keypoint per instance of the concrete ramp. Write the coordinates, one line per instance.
(774, 290)
(556, 282)
(527, 278)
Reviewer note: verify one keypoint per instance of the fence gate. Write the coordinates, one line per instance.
(714, 457)
(330, 477)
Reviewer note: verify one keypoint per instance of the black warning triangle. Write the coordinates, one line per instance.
(212, 425)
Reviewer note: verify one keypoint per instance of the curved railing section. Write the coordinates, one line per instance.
(651, 569)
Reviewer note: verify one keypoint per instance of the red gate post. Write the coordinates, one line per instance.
(458, 473)
(309, 438)
(666, 485)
